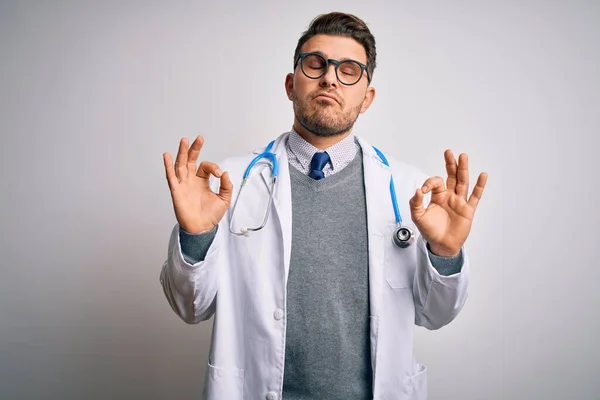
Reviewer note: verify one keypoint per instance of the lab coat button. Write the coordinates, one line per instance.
(278, 314)
(272, 396)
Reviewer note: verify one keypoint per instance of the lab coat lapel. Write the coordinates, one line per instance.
(377, 190)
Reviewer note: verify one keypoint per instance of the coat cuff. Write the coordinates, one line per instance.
(194, 247)
(446, 266)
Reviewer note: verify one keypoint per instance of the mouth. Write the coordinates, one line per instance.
(325, 96)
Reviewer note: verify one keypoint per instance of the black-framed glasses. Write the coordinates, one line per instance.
(348, 72)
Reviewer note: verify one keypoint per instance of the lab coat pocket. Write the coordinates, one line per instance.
(399, 267)
(397, 278)
(418, 383)
(224, 383)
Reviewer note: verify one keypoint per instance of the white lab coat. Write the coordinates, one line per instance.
(242, 282)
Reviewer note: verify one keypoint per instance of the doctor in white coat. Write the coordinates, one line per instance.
(242, 280)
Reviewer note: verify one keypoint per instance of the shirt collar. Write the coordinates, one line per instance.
(340, 153)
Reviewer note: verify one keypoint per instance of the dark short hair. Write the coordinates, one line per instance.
(341, 24)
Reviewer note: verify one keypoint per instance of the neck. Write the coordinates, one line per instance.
(320, 142)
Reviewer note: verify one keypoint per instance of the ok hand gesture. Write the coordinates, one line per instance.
(446, 222)
(197, 208)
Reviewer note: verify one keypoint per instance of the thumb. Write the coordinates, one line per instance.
(416, 205)
(226, 188)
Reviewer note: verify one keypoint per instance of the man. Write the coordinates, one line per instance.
(319, 303)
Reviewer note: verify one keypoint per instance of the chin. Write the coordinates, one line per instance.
(326, 112)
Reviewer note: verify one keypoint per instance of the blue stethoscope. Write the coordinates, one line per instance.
(402, 237)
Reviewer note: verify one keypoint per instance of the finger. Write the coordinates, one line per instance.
(207, 169)
(193, 154)
(170, 171)
(434, 184)
(478, 190)
(451, 169)
(226, 188)
(462, 176)
(181, 162)
(416, 206)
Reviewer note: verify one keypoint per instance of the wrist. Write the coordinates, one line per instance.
(196, 230)
(442, 251)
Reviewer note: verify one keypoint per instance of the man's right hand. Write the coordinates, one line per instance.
(197, 208)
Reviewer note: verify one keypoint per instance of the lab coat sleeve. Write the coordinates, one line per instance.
(438, 298)
(190, 289)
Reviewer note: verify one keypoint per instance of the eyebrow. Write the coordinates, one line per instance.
(326, 57)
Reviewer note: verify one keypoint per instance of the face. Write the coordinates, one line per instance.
(324, 106)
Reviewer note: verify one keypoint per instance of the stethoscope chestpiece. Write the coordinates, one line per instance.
(403, 236)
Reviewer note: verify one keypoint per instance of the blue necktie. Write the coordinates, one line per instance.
(319, 161)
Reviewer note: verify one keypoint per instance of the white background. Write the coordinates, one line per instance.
(92, 94)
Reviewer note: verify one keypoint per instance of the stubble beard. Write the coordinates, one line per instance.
(319, 118)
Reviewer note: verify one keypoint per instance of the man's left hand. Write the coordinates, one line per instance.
(446, 222)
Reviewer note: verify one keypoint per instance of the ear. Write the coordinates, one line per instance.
(369, 97)
(289, 85)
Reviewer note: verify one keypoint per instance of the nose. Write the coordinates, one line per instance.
(330, 78)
